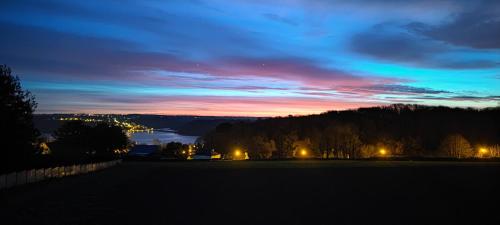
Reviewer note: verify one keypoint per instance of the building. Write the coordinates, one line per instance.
(144, 151)
(212, 156)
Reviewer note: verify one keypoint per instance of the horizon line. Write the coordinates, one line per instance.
(270, 116)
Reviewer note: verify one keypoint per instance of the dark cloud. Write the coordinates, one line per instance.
(470, 64)
(280, 19)
(404, 89)
(476, 29)
(462, 98)
(394, 89)
(395, 43)
(394, 46)
(56, 52)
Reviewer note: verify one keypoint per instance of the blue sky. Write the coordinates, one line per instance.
(253, 58)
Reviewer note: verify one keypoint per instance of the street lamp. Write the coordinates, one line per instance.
(483, 152)
(303, 152)
(237, 152)
(382, 152)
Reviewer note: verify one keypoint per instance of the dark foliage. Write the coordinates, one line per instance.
(175, 150)
(16, 119)
(76, 140)
(403, 130)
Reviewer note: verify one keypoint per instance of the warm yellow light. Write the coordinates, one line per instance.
(237, 153)
(183, 152)
(303, 152)
(483, 150)
(383, 152)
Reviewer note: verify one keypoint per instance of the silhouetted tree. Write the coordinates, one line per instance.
(285, 144)
(16, 118)
(72, 142)
(260, 147)
(345, 141)
(456, 146)
(369, 151)
(105, 139)
(76, 140)
(176, 150)
(412, 146)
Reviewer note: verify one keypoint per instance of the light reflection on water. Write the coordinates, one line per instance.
(164, 135)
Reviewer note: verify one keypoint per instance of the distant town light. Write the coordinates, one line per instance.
(383, 152)
(483, 150)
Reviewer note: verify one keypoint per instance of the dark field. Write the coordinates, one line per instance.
(280, 192)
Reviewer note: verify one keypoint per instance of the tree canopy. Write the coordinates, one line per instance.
(16, 117)
(76, 140)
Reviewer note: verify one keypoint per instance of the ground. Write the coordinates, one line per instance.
(258, 192)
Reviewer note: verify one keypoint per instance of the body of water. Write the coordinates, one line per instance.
(164, 135)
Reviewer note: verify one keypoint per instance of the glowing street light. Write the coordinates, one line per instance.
(303, 152)
(382, 152)
(483, 152)
(237, 152)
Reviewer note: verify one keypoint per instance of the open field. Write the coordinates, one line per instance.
(259, 192)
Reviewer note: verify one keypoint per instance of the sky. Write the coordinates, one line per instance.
(251, 58)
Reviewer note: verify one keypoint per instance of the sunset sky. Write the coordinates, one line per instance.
(251, 58)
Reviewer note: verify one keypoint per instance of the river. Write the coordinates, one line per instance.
(164, 135)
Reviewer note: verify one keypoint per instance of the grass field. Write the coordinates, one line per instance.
(260, 192)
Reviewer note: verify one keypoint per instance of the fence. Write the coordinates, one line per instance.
(35, 175)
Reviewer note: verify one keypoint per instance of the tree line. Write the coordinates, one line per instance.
(396, 130)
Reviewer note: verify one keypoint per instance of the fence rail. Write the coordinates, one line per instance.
(35, 175)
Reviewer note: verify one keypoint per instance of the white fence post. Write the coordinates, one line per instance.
(30, 176)
(46, 173)
(40, 175)
(21, 177)
(54, 172)
(61, 171)
(35, 175)
(67, 171)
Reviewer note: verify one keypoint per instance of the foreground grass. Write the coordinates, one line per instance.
(265, 192)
